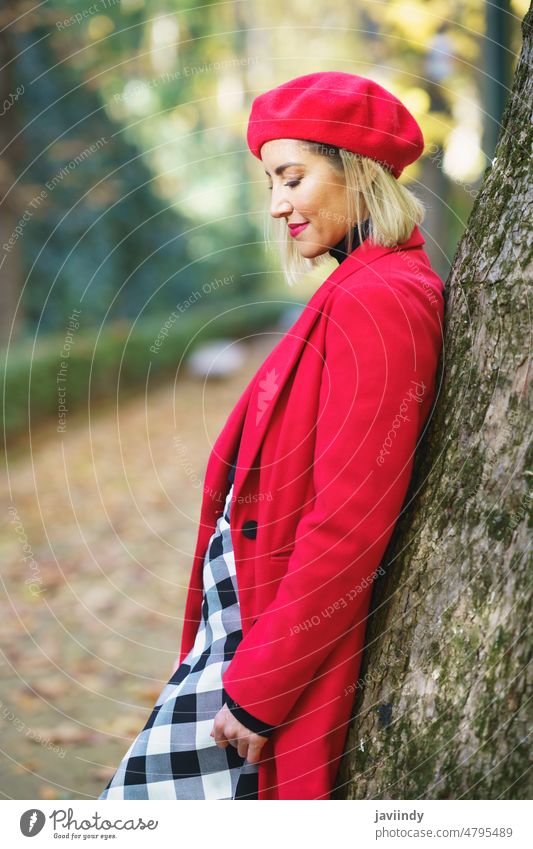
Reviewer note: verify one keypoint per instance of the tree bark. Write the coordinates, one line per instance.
(441, 710)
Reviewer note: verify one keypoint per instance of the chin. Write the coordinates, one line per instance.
(310, 250)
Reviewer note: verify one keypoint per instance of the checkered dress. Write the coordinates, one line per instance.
(174, 756)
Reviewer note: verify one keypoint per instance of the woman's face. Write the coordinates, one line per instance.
(309, 191)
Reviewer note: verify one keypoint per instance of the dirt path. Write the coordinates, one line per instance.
(96, 557)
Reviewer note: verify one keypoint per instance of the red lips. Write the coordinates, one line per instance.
(294, 229)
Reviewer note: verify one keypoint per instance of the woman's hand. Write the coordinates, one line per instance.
(228, 730)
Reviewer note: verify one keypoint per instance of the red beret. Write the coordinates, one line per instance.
(339, 109)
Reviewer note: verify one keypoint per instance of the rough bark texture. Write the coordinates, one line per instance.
(441, 710)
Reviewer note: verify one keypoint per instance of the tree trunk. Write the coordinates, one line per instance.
(441, 704)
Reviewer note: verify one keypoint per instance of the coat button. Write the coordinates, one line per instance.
(249, 529)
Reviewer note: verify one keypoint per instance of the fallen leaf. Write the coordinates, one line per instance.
(47, 791)
(65, 732)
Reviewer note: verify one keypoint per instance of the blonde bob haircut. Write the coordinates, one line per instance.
(393, 209)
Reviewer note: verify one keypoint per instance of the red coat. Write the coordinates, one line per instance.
(331, 422)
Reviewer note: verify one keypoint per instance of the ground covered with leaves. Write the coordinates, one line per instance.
(96, 556)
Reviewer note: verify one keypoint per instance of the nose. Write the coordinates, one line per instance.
(280, 205)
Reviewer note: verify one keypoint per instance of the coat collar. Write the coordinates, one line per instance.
(255, 407)
(338, 251)
(367, 252)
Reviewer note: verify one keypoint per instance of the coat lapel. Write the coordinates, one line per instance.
(255, 407)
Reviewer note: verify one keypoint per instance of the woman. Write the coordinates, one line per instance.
(322, 441)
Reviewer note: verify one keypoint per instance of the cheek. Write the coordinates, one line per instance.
(314, 204)
(328, 203)
(313, 197)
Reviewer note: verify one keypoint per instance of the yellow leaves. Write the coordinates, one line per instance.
(416, 20)
(417, 100)
(99, 27)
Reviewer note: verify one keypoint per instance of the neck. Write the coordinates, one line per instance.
(338, 251)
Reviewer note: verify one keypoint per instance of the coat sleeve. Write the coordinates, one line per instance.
(251, 722)
(379, 357)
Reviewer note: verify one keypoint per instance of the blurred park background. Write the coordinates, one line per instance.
(137, 298)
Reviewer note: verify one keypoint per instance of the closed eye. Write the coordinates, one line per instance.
(291, 184)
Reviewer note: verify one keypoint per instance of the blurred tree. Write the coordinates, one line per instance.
(445, 693)
(172, 198)
(498, 60)
(10, 259)
(93, 234)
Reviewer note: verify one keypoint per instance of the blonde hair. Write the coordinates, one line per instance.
(393, 209)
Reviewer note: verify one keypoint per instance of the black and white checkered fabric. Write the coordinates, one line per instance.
(174, 756)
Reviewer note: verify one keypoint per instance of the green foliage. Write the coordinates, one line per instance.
(130, 151)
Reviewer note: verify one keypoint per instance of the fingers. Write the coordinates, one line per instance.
(234, 736)
(230, 732)
(254, 752)
(226, 736)
(218, 733)
(242, 747)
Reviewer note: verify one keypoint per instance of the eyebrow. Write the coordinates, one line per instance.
(281, 168)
